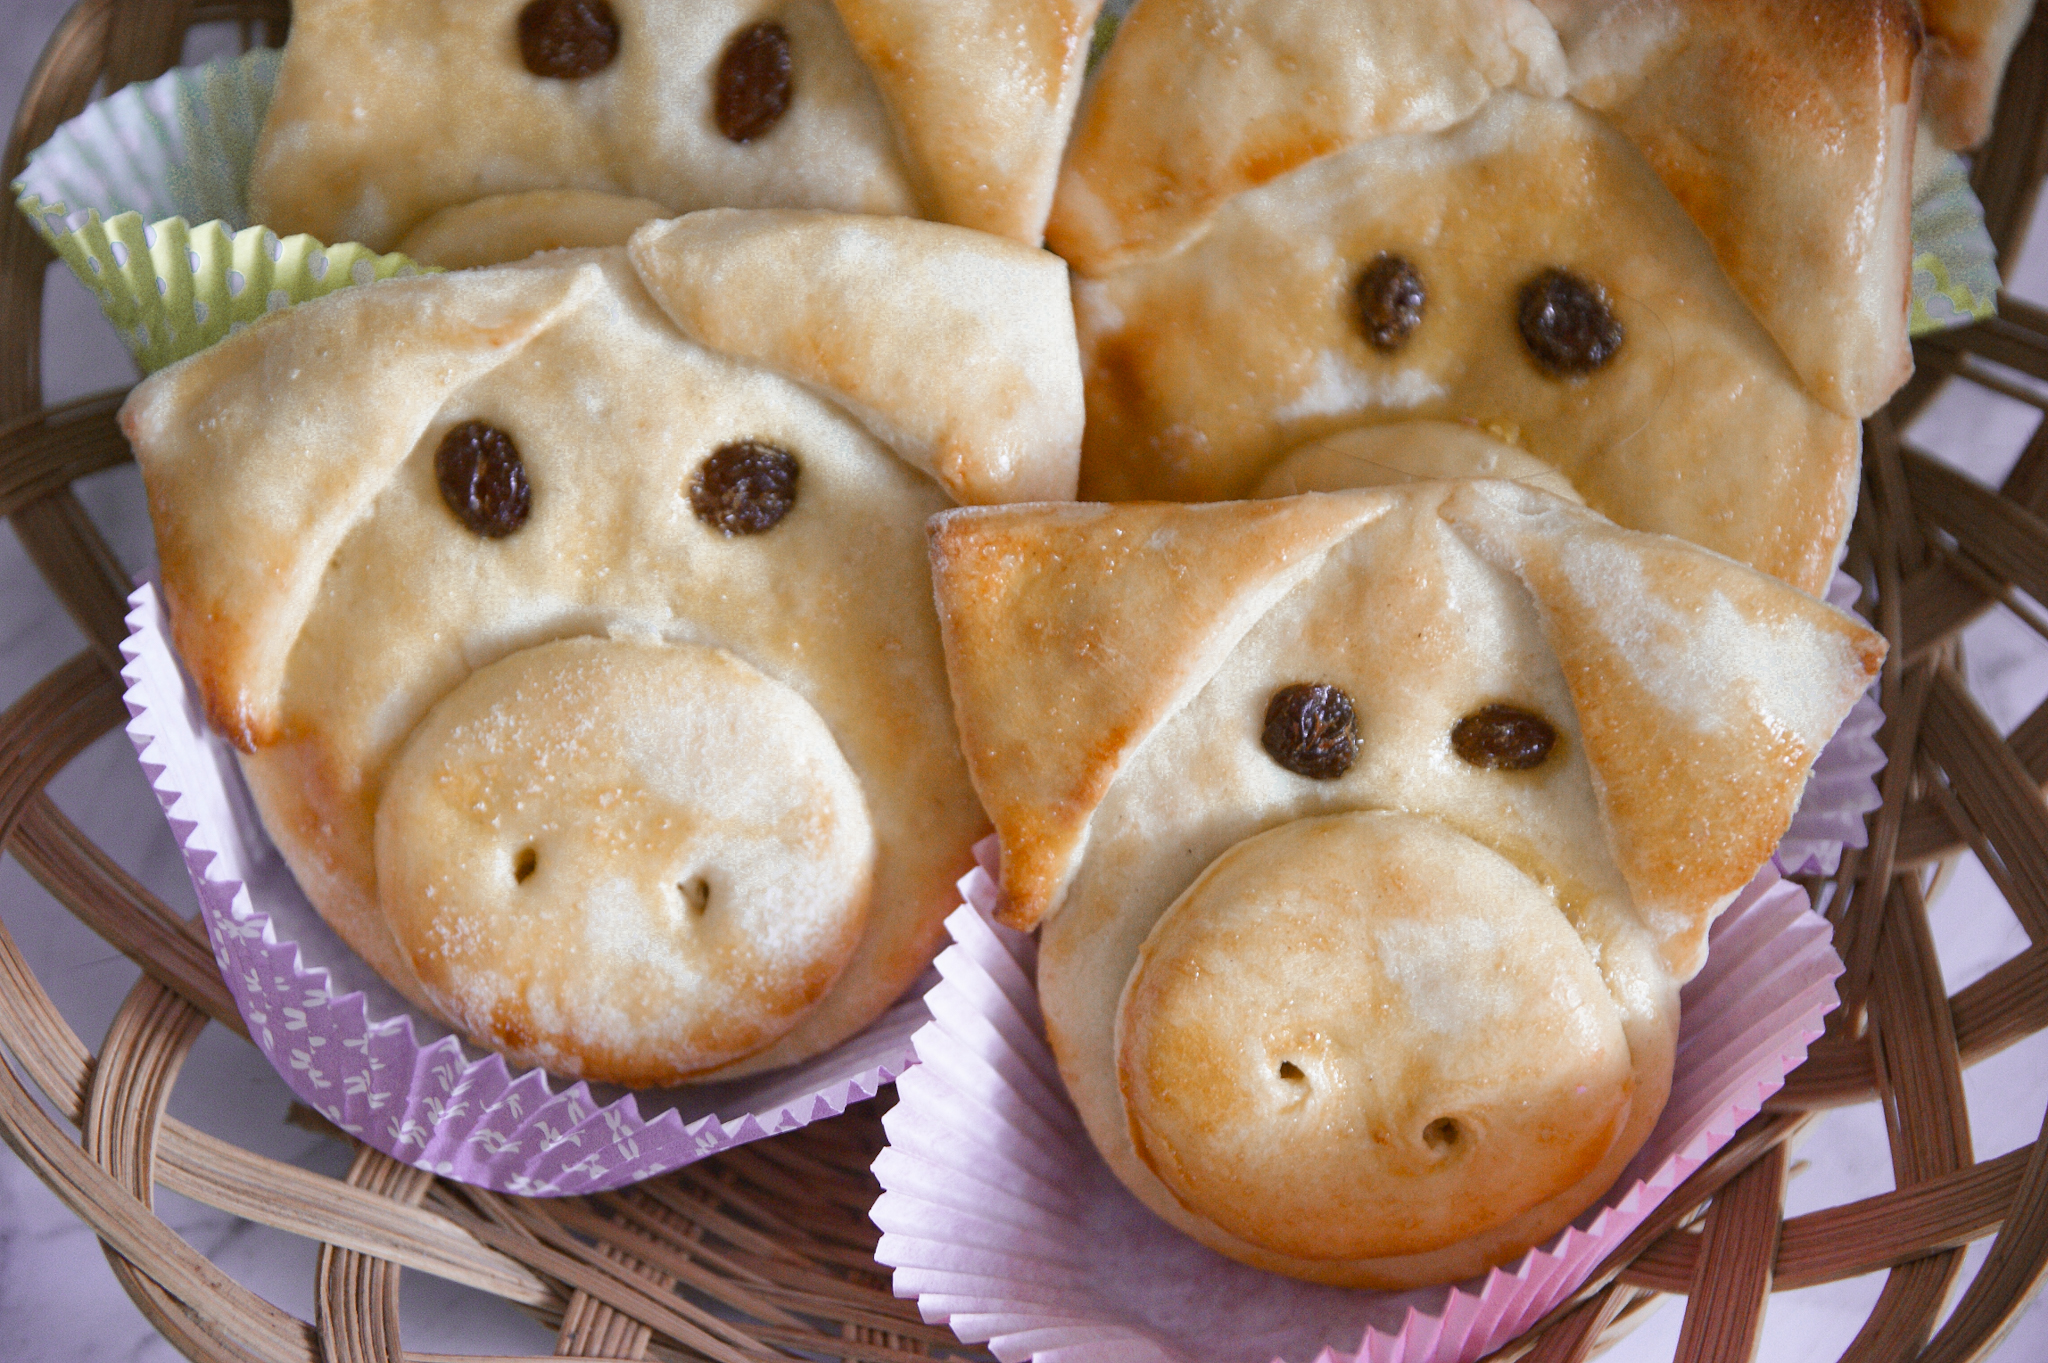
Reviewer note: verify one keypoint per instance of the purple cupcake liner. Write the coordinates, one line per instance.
(1000, 1219)
(356, 1052)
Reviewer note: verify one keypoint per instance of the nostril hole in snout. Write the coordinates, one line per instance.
(524, 865)
(1443, 1135)
(1291, 1072)
(696, 892)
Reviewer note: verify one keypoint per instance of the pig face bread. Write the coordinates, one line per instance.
(1373, 834)
(1660, 247)
(573, 620)
(389, 113)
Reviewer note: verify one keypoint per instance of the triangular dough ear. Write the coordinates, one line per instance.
(1704, 692)
(955, 348)
(1071, 632)
(982, 93)
(243, 556)
(1968, 42)
(1201, 99)
(1785, 128)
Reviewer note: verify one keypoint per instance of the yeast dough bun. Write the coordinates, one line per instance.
(1661, 246)
(584, 665)
(1372, 835)
(390, 111)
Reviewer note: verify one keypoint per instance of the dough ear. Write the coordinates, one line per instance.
(1704, 691)
(243, 553)
(1199, 100)
(1968, 42)
(1072, 632)
(955, 348)
(982, 93)
(1785, 128)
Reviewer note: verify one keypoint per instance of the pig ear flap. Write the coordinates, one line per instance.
(954, 348)
(262, 452)
(982, 93)
(1072, 632)
(1704, 691)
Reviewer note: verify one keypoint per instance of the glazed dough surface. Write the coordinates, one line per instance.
(327, 598)
(1112, 668)
(1206, 367)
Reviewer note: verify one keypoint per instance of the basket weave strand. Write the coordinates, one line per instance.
(764, 1252)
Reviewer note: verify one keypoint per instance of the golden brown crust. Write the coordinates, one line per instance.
(1785, 130)
(1071, 632)
(1424, 604)
(1206, 367)
(982, 94)
(1697, 777)
(502, 228)
(389, 111)
(1367, 1036)
(1198, 100)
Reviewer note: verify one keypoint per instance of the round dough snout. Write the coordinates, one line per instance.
(623, 859)
(1368, 1035)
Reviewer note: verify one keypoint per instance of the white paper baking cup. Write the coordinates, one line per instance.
(354, 1050)
(1000, 1218)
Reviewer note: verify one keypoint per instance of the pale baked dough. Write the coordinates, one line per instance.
(326, 599)
(957, 347)
(629, 839)
(1206, 366)
(389, 111)
(1111, 668)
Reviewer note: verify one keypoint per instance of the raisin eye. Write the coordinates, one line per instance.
(568, 39)
(744, 488)
(1312, 730)
(1390, 300)
(1503, 738)
(753, 85)
(1568, 324)
(483, 479)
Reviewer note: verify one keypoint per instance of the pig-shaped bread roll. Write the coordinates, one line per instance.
(574, 623)
(391, 112)
(1662, 247)
(1373, 834)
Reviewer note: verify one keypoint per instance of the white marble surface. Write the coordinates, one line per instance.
(58, 1300)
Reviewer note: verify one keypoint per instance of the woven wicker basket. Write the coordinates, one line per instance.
(764, 1252)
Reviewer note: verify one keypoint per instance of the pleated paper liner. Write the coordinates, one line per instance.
(355, 1051)
(1843, 786)
(1000, 1218)
(117, 190)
